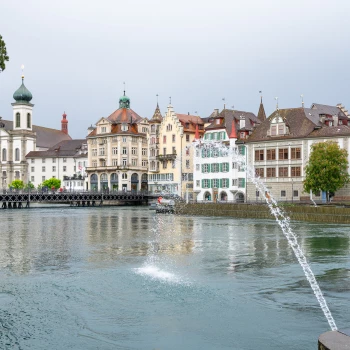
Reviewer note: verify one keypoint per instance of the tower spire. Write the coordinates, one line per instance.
(261, 112)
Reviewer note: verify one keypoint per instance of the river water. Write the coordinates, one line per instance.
(128, 278)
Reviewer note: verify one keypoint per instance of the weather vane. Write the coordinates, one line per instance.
(157, 98)
(124, 87)
(302, 100)
(22, 67)
(170, 100)
(276, 98)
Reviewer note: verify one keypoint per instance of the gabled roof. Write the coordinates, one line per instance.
(229, 115)
(189, 122)
(66, 148)
(45, 137)
(295, 118)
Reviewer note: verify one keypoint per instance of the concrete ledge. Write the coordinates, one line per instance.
(334, 340)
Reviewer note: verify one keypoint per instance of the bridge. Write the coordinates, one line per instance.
(10, 200)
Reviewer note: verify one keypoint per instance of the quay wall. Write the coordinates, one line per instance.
(322, 213)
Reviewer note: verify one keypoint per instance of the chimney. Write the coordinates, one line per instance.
(216, 112)
(64, 123)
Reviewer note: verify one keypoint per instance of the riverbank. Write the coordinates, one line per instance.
(322, 213)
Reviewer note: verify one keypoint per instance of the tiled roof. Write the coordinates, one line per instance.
(67, 148)
(295, 118)
(331, 131)
(191, 120)
(261, 112)
(45, 137)
(124, 115)
(157, 116)
(228, 115)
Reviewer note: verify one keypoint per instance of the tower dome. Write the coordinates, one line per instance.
(124, 101)
(22, 94)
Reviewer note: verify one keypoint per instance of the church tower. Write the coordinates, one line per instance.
(22, 108)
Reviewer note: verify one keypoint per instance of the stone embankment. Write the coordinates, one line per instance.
(323, 213)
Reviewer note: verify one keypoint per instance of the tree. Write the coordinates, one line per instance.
(3, 55)
(28, 186)
(17, 184)
(326, 169)
(52, 183)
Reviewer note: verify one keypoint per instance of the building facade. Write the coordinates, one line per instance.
(19, 136)
(279, 149)
(118, 151)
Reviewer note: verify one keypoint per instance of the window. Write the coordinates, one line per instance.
(234, 165)
(164, 139)
(134, 162)
(225, 183)
(134, 150)
(270, 154)
(187, 138)
(144, 162)
(114, 150)
(134, 139)
(234, 182)
(174, 150)
(43, 160)
(187, 164)
(280, 129)
(295, 193)
(94, 163)
(283, 171)
(144, 151)
(17, 154)
(187, 151)
(43, 169)
(164, 150)
(32, 178)
(295, 171)
(17, 175)
(103, 129)
(165, 165)
(64, 160)
(259, 172)
(215, 168)
(205, 153)
(283, 153)
(125, 127)
(205, 183)
(173, 138)
(94, 152)
(124, 176)
(124, 139)
(64, 168)
(53, 169)
(197, 167)
(43, 178)
(205, 168)
(241, 182)
(215, 183)
(283, 193)
(225, 167)
(53, 160)
(259, 155)
(101, 151)
(18, 120)
(124, 162)
(32, 160)
(124, 151)
(114, 139)
(198, 183)
(270, 172)
(32, 169)
(29, 122)
(295, 153)
(215, 152)
(273, 130)
(4, 154)
(115, 162)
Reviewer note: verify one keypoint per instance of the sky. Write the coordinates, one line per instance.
(77, 54)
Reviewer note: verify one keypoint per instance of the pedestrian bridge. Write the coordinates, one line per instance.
(12, 200)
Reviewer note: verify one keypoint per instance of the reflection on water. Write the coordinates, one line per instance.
(127, 278)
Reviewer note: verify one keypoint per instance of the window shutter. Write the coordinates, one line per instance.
(202, 168)
(202, 183)
(220, 183)
(220, 167)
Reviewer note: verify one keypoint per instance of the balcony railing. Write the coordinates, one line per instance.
(166, 157)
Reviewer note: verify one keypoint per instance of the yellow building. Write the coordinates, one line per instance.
(175, 154)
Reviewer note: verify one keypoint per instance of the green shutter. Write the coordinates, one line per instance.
(202, 183)
(220, 183)
(243, 183)
(220, 167)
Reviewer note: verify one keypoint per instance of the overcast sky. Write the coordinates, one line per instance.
(77, 54)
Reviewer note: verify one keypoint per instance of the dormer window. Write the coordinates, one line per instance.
(125, 127)
(242, 122)
(103, 129)
(278, 127)
(217, 121)
(187, 125)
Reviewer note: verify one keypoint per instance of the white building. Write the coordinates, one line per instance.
(65, 161)
(19, 136)
(217, 176)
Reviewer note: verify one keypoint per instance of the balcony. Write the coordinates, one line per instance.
(166, 157)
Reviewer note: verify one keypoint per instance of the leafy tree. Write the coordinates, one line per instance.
(3, 55)
(56, 183)
(29, 185)
(326, 169)
(17, 184)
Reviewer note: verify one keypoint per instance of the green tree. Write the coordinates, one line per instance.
(327, 168)
(3, 55)
(56, 183)
(29, 185)
(17, 184)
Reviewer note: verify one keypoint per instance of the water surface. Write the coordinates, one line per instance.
(127, 278)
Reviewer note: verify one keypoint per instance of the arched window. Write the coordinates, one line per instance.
(4, 154)
(29, 121)
(18, 120)
(17, 154)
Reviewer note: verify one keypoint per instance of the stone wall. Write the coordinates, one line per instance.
(323, 213)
